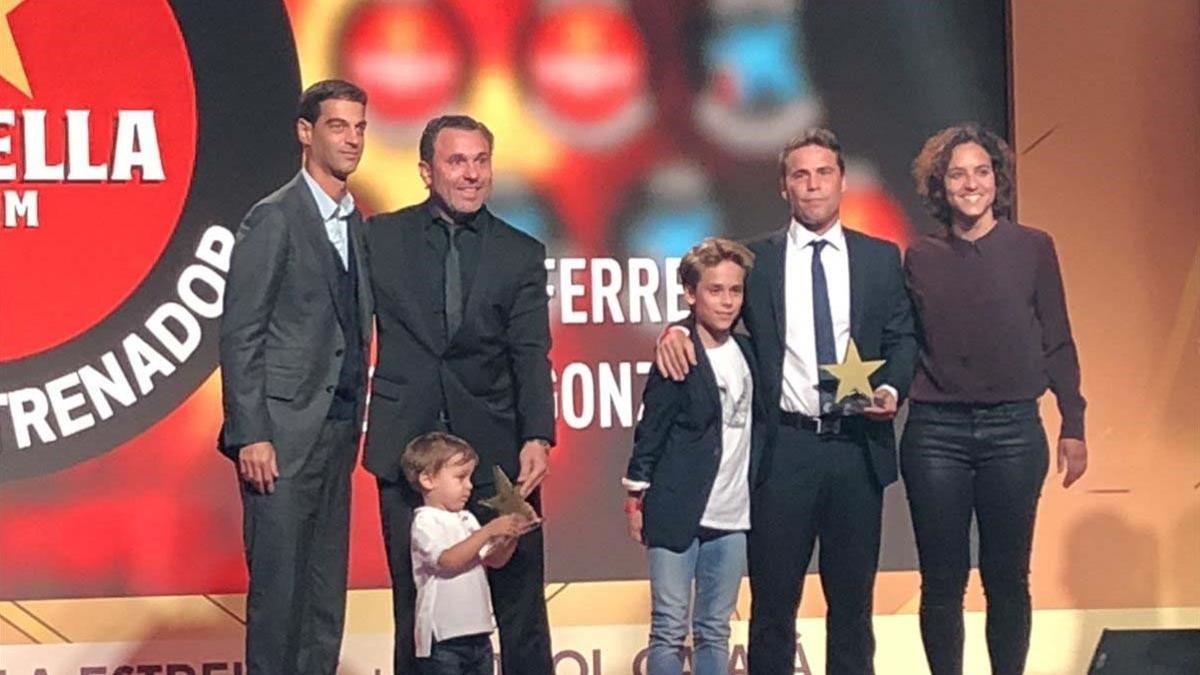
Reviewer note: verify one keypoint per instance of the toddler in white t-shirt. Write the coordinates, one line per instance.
(453, 618)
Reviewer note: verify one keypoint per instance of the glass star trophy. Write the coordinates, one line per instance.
(508, 499)
(854, 391)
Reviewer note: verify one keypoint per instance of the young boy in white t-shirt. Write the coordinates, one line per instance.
(693, 462)
(453, 619)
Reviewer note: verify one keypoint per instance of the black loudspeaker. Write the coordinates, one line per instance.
(1147, 652)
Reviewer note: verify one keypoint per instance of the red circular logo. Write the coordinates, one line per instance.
(408, 56)
(97, 145)
(133, 137)
(587, 62)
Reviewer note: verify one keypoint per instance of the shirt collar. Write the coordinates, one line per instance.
(443, 514)
(471, 221)
(999, 232)
(801, 236)
(325, 204)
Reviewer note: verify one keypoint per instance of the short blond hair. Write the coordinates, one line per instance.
(708, 254)
(431, 452)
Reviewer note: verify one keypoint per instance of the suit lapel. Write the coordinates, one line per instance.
(743, 343)
(756, 404)
(777, 262)
(411, 240)
(704, 369)
(490, 266)
(365, 300)
(312, 230)
(859, 278)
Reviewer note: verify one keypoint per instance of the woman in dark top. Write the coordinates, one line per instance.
(994, 335)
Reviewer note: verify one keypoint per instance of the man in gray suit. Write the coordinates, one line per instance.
(294, 346)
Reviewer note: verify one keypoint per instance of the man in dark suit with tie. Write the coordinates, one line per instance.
(464, 336)
(294, 343)
(815, 286)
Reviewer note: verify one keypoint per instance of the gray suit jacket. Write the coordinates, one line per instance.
(281, 344)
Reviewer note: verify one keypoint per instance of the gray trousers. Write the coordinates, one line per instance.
(297, 542)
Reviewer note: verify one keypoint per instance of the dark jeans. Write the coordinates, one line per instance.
(990, 461)
(819, 488)
(518, 588)
(465, 655)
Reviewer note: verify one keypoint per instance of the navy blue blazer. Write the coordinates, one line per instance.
(881, 323)
(677, 447)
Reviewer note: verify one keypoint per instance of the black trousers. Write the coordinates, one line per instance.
(518, 588)
(989, 461)
(818, 488)
(297, 540)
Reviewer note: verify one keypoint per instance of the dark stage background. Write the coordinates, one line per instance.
(626, 131)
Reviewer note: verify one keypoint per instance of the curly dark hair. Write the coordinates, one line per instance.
(929, 168)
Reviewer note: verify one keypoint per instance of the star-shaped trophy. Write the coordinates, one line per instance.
(854, 391)
(508, 498)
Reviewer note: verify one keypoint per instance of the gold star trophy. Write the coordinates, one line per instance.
(854, 391)
(508, 498)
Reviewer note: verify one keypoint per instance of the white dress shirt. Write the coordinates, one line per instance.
(334, 215)
(447, 605)
(800, 367)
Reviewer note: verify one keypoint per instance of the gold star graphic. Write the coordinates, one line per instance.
(508, 498)
(11, 68)
(853, 374)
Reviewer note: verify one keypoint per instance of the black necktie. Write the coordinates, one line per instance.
(454, 294)
(823, 325)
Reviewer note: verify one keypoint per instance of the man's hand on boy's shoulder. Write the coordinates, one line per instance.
(674, 353)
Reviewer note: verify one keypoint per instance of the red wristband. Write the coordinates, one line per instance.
(633, 506)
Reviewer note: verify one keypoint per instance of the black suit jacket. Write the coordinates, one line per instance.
(881, 324)
(281, 346)
(678, 444)
(493, 374)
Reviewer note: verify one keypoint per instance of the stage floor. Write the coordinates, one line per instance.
(598, 628)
